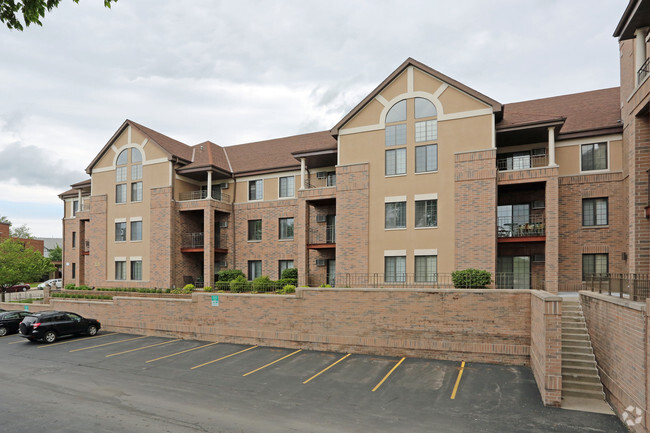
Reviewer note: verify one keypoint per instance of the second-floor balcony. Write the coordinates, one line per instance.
(643, 71)
(322, 237)
(86, 248)
(321, 180)
(195, 242)
(217, 194)
(521, 161)
(521, 227)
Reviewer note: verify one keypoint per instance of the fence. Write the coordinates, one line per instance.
(217, 194)
(20, 296)
(631, 286)
(500, 280)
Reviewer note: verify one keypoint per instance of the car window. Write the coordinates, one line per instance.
(75, 317)
(11, 316)
(30, 319)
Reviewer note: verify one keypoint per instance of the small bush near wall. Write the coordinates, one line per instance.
(239, 285)
(471, 279)
(229, 274)
(287, 289)
(80, 296)
(290, 273)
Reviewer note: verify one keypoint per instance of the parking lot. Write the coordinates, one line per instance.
(118, 382)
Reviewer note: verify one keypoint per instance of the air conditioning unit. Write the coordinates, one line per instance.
(321, 175)
(222, 264)
(321, 218)
(538, 204)
(224, 185)
(320, 262)
(538, 258)
(223, 224)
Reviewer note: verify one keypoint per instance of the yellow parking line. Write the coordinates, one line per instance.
(271, 363)
(388, 374)
(184, 351)
(223, 357)
(325, 369)
(142, 348)
(76, 340)
(108, 344)
(460, 374)
(19, 341)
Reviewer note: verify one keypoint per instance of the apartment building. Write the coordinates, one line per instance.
(423, 177)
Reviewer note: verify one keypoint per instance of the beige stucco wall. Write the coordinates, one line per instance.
(568, 156)
(459, 135)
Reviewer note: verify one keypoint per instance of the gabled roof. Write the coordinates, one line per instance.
(208, 155)
(586, 113)
(168, 144)
(496, 106)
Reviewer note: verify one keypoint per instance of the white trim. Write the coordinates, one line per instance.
(440, 90)
(415, 94)
(119, 259)
(395, 199)
(432, 196)
(383, 101)
(154, 161)
(101, 170)
(465, 114)
(268, 176)
(144, 143)
(293, 192)
(135, 218)
(338, 150)
(358, 129)
(128, 134)
(120, 220)
(135, 258)
(394, 253)
(431, 252)
(188, 180)
(588, 140)
(114, 149)
(494, 132)
(409, 79)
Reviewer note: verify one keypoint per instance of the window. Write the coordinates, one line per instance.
(136, 270)
(594, 264)
(594, 212)
(254, 230)
(426, 213)
(395, 162)
(284, 264)
(120, 270)
(396, 215)
(74, 270)
(594, 156)
(120, 174)
(120, 232)
(136, 156)
(331, 178)
(136, 230)
(426, 269)
(287, 186)
(397, 112)
(396, 135)
(123, 158)
(136, 191)
(424, 108)
(75, 207)
(426, 158)
(426, 131)
(136, 172)
(254, 269)
(286, 228)
(120, 193)
(74, 239)
(394, 269)
(255, 190)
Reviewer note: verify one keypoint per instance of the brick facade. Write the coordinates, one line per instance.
(546, 346)
(352, 197)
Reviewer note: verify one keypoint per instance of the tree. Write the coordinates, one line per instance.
(20, 264)
(56, 254)
(22, 232)
(4, 220)
(32, 11)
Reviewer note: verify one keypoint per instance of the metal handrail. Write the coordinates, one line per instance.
(510, 227)
(197, 240)
(643, 71)
(322, 235)
(522, 162)
(630, 286)
(217, 194)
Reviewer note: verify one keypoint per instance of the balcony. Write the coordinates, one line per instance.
(529, 229)
(86, 248)
(217, 194)
(195, 242)
(322, 237)
(321, 180)
(521, 162)
(643, 72)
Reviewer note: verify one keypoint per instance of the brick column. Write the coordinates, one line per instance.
(551, 265)
(301, 236)
(208, 245)
(546, 345)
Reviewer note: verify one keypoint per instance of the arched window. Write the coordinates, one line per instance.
(123, 157)
(397, 112)
(136, 156)
(424, 108)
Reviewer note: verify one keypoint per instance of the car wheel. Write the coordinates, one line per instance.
(49, 337)
(24, 289)
(92, 330)
(3, 331)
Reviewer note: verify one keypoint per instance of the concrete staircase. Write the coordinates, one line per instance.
(580, 377)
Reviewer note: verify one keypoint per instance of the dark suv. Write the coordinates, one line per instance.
(9, 321)
(50, 325)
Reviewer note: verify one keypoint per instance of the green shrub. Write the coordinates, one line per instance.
(229, 274)
(290, 273)
(84, 287)
(263, 284)
(69, 286)
(325, 286)
(287, 289)
(287, 281)
(207, 289)
(471, 279)
(239, 285)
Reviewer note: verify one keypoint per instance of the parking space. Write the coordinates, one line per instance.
(339, 390)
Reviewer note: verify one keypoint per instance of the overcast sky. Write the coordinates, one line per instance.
(239, 71)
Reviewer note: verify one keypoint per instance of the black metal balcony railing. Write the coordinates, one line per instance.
(629, 286)
(522, 162)
(197, 240)
(217, 194)
(86, 246)
(313, 181)
(508, 227)
(500, 280)
(643, 71)
(322, 235)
